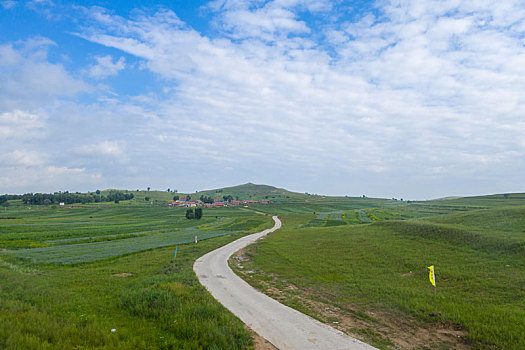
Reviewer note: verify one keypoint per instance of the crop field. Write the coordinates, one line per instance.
(373, 278)
(69, 275)
(85, 252)
(321, 204)
(44, 226)
(108, 236)
(350, 217)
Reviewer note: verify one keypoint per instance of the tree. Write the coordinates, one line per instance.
(148, 188)
(168, 189)
(190, 214)
(206, 199)
(97, 191)
(188, 198)
(175, 198)
(198, 213)
(146, 199)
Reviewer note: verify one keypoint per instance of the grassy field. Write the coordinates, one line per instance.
(94, 269)
(70, 274)
(375, 275)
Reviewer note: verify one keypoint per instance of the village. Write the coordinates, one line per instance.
(184, 202)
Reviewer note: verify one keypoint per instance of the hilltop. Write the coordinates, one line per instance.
(248, 191)
(251, 191)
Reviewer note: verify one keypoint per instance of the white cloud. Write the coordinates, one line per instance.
(105, 67)
(266, 20)
(62, 170)
(24, 158)
(428, 93)
(8, 4)
(21, 125)
(46, 178)
(29, 80)
(104, 148)
(413, 80)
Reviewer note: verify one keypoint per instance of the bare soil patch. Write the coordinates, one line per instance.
(124, 274)
(260, 343)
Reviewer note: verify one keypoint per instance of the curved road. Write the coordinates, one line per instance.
(282, 326)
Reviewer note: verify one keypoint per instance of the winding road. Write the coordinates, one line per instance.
(281, 325)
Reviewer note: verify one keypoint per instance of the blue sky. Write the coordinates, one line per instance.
(400, 98)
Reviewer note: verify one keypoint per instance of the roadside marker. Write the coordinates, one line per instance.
(195, 239)
(175, 255)
(431, 275)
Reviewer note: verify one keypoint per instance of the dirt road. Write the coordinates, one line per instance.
(284, 327)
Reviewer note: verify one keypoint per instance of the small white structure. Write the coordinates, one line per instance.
(61, 203)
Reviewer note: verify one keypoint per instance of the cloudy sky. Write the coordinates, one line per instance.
(393, 98)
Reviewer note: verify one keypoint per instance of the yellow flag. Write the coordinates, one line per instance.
(431, 275)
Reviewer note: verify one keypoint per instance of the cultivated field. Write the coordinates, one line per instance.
(72, 274)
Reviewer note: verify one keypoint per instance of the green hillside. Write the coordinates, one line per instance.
(375, 273)
(250, 191)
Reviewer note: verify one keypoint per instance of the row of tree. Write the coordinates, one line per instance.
(194, 213)
(209, 199)
(70, 198)
(6, 197)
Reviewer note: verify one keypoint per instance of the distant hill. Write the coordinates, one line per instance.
(250, 191)
(304, 202)
(447, 198)
(486, 201)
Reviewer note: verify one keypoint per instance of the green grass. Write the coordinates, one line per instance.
(45, 304)
(161, 306)
(57, 287)
(479, 258)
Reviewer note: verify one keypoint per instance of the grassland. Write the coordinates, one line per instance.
(71, 274)
(374, 278)
(96, 268)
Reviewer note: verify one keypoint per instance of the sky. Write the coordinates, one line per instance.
(413, 99)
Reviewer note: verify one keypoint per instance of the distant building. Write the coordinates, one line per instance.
(183, 202)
